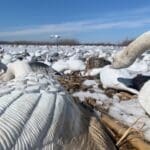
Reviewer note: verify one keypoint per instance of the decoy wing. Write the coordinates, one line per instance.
(36, 113)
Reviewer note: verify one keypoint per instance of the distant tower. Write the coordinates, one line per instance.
(56, 37)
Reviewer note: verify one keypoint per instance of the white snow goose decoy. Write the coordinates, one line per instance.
(126, 57)
(36, 113)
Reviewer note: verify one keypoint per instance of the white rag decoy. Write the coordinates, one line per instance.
(126, 57)
(110, 79)
(15, 70)
(36, 113)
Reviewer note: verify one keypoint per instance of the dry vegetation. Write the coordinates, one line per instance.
(74, 82)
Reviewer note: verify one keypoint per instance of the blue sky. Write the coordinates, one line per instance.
(86, 20)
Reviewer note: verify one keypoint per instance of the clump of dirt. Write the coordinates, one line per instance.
(90, 101)
(122, 95)
(73, 82)
(110, 92)
(126, 96)
(96, 62)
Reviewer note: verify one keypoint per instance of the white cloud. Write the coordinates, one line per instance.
(113, 21)
(80, 26)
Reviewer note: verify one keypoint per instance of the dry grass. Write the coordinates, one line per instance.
(74, 82)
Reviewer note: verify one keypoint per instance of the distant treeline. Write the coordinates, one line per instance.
(65, 42)
(59, 42)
